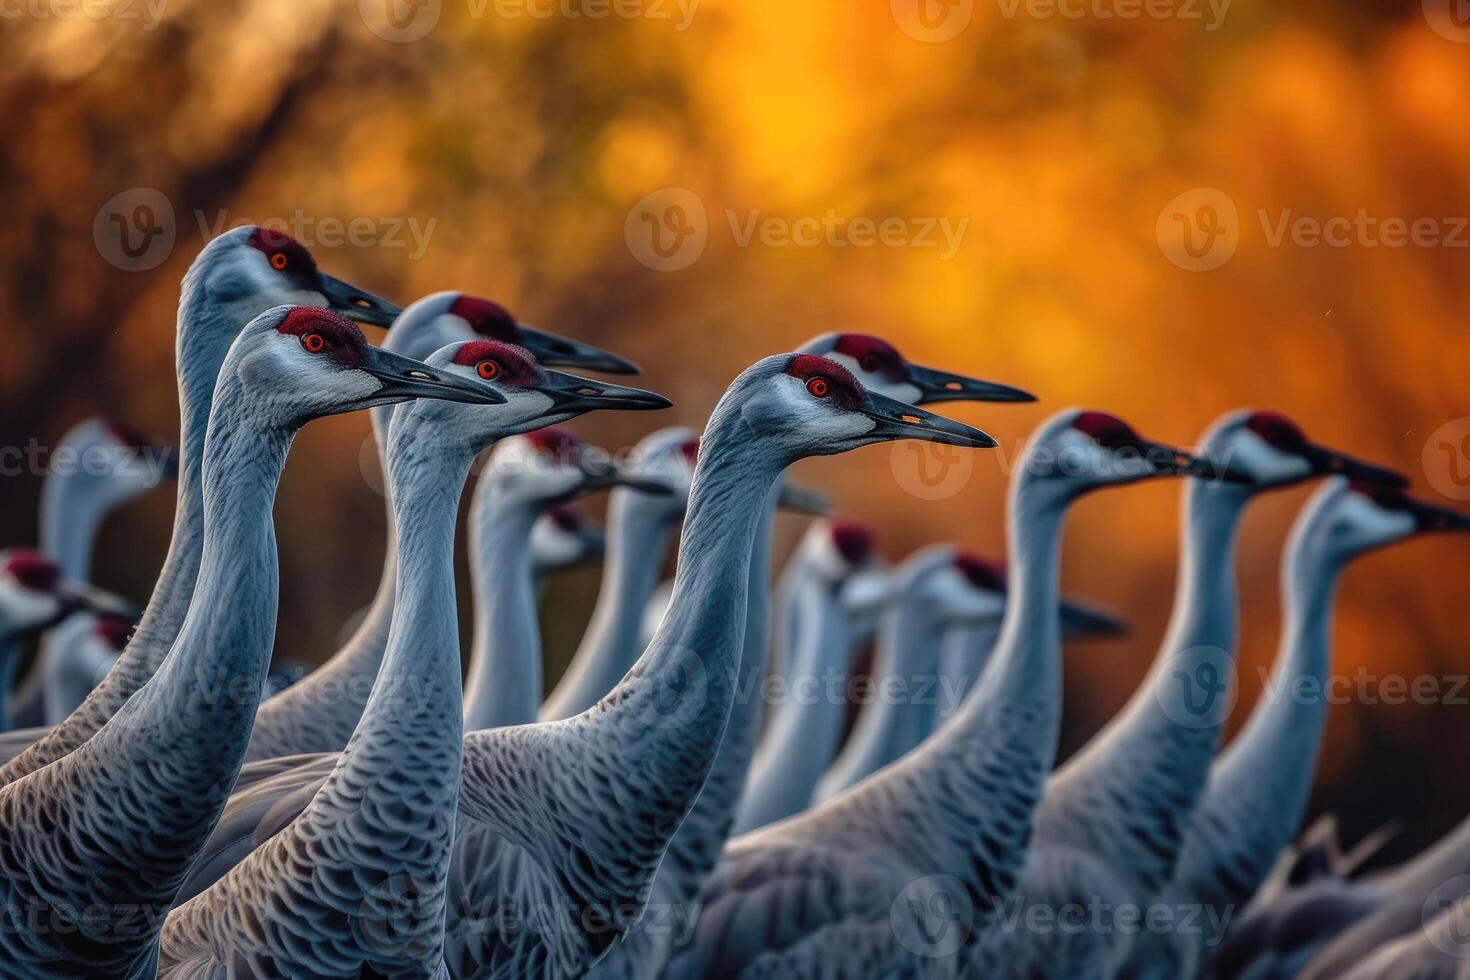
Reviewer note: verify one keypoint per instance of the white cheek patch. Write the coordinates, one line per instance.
(958, 599)
(1252, 454)
(1364, 523)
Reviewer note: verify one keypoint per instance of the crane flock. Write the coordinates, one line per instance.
(169, 809)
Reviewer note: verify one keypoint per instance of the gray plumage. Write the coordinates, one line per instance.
(356, 882)
(227, 285)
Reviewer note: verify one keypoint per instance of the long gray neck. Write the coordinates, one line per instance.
(504, 685)
(696, 848)
(205, 331)
(638, 535)
(320, 712)
(805, 730)
(1258, 789)
(412, 717)
(964, 652)
(1130, 793)
(964, 799)
(71, 511)
(907, 660)
(166, 761)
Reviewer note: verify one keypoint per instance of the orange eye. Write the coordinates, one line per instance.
(278, 261)
(818, 387)
(314, 343)
(487, 369)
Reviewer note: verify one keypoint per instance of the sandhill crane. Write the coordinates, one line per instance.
(805, 729)
(522, 479)
(563, 538)
(237, 276)
(117, 823)
(598, 841)
(814, 894)
(650, 743)
(1258, 789)
(319, 713)
(696, 848)
(639, 530)
(1111, 821)
(398, 779)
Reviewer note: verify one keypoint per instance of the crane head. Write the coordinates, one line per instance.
(551, 466)
(1272, 451)
(1348, 518)
(880, 367)
(281, 271)
(31, 592)
(809, 405)
(300, 363)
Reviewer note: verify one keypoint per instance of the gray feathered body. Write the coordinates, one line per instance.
(358, 880)
(115, 825)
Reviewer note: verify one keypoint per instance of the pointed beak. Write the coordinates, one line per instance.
(1169, 461)
(554, 351)
(1080, 621)
(940, 386)
(358, 304)
(1328, 462)
(803, 500)
(893, 419)
(618, 476)
(404, 378)
(1432, 517)
(570, 393)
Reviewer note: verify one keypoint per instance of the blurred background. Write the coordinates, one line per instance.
(1107, 210)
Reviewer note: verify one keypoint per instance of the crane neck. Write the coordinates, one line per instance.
(205, 330)
(639, 531)
(72, 509)
(334, 695)
(806, 729)
(504, 683)
(1156, 754)
(965, 798)
(905, 677)
(412, 716)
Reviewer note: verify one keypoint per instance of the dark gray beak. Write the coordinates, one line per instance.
(358, 304)
(403, 378)
(570, 393)
(1083, 621)
(616, 476)
(803, 500)
(940, 386)
(554, 351)
(1168, 461)
(893, 419)
(1432, 517)
(1327, 462)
